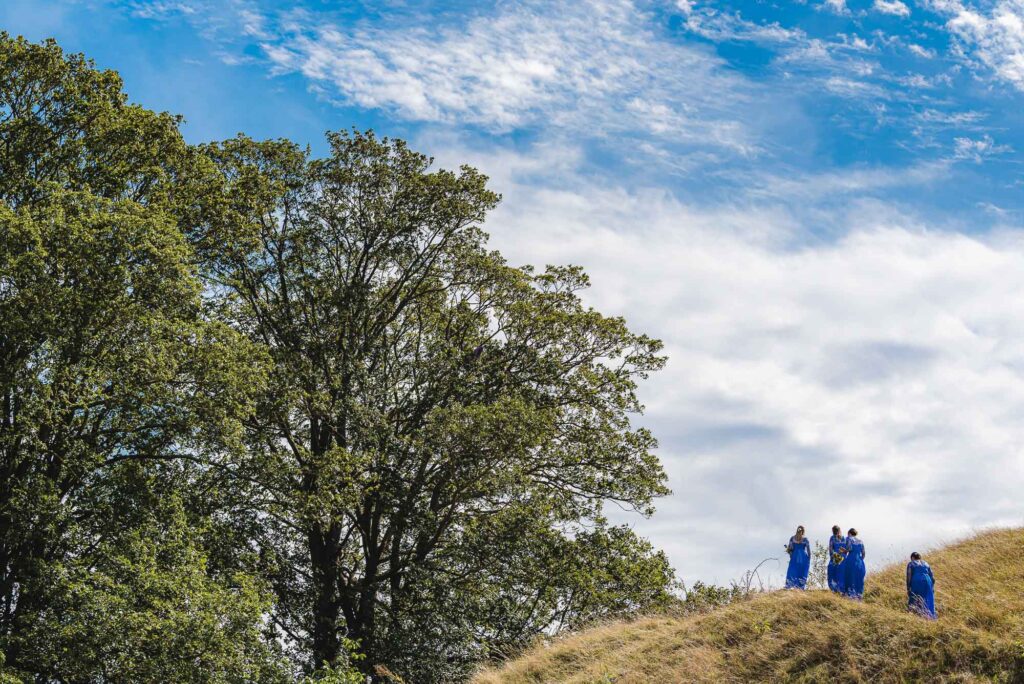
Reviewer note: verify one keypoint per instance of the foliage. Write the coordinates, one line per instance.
(701, 597)
(343, 671)
(818, 577)
(67, 126)
(145, 609)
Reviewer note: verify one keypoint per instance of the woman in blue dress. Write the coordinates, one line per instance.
(854, 570)
(920, 587)
(799, 550)
(836, 556)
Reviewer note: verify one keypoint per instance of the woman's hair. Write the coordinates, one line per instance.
(915, 556)
(836, 529)
(799, 528)
(852, 532)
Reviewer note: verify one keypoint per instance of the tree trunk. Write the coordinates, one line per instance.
(366, 625)
(323, 555)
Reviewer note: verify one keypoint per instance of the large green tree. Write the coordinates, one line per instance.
(440, 430)
(113, 373)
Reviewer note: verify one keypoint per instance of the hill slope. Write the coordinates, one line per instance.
(816, 636)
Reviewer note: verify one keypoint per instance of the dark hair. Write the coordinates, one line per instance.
(836, 529)
(852, 532)
(800, 528)
(915, 556)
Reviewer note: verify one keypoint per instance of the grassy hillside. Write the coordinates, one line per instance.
(816, 636)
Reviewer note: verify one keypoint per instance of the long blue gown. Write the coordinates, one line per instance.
(799, 563)
(835, 570)
(921, 589)
(853, 568)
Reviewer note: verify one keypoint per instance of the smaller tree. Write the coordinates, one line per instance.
(819, 567)
(701, 598)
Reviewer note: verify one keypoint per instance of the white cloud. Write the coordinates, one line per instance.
(815, 52)
(159, 9)
(831, 59)
(915, 81)
(935, 116)
(921, 51)
(875, 379)
(855, 42)
(991, 36)
(253, 24)
(577, 65)
(837, 6)
(977, 150)
(894, 7)
(722, 26)
(803, 187)
(848, 87)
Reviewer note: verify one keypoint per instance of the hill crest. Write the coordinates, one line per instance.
(816, 636)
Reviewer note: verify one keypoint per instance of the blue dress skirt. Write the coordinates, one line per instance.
(799, 563)
(921, 589)
(836, 545)
(853, 568)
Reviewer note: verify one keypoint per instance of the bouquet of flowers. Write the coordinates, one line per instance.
(837, 557)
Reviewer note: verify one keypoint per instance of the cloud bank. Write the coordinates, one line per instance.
(876, 380)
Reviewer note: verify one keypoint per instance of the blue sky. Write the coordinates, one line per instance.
(817, 205)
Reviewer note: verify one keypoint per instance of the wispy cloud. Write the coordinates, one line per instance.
(159, 9)
(839, 186)
(991, 35)
(849, 87)
(977, 150)
(958, 119)
(719, 26)
(837, 6)
(253, 24)
(592, 66)
(625, 74)
(921, 51)
(894, 7)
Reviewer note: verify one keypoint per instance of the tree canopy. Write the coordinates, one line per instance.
(268, 415)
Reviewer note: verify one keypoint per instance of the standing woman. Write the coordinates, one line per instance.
(920, 587)
(836, 556)
(854, 571)
(799, 550)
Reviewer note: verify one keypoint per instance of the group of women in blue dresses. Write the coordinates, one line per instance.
(845, 562)
(846, 570)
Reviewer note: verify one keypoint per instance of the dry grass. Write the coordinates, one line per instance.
(816, 636)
